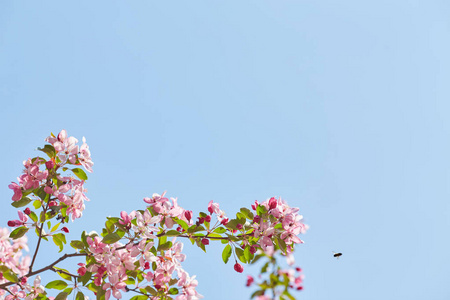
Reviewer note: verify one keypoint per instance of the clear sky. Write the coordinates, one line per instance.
(340, 107)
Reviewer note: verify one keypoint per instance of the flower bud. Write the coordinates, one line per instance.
(23, 280)
(256, 219)
(48, 190)
(50, 164)
(238, 268)
(65, 229)
(224, 222)
(208, 219)
(188, 214)
(27, 211)
(272, 203)
(253, 249)
(205, 242)
(52, 203)
(239, 226)
(201, 220)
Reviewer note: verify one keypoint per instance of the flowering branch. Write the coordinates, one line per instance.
(138, 251)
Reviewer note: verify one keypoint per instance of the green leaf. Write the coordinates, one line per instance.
(33, 216)
(63, 275)
(85, 278)
(18, 232)
(281, 244)
(10, 276)
(164, 246)
(232, 224)
(257, 293)
(80, 296)
(49, 150)
(55, 227)
(261, 209)
(173, 291)
(151, 290)
(37, 204)
(220, 230)
(247, 213)
(77, 244)
(22, 202)
(183, 224)
(141, 297)
(111, 238)
(172, 233)
(109, 224)
(240, 254)
(80, 173)
(247, 254)
(56, 284)
(226, 253)
(62, 296)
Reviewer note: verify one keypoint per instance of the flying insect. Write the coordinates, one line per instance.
(337, 254)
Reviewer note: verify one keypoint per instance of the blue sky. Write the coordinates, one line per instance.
(340, 107)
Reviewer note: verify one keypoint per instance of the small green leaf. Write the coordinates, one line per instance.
(22, 202)
(62, 296)
(77, 244)
(56, 284)
(111, 238)
(220, 230)
(261, 209)
(247, 213)
(226, 253)
(232, 224)
(55, 227)
(37, 204)
(173, 291)
(80, 173)
(10, 276)
(183, 224)
(33, 216)
(141, 297)
(164, 246)
(63, 275)
(172, 233)
(49, 150)
(247, 253)
(80, 296)
(18, 232)
(240, 254)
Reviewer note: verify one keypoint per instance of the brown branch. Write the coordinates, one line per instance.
(49, 267)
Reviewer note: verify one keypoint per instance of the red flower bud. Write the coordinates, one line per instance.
(253, 249)
(205, 242)
(23, 280)
(298, 269)
(27, 211)
(188, 214)
(179, 229)
(65, 229)
(239, 226)
(50, 164)
(11, 223)
(146, 265)
(201, 220)
(208, 219)
(272, 203)
(52, 203)
(299, 288)
(224, 222)
(256, 219)
(238, 268)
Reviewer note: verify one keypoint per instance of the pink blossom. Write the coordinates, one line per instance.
(17, 191)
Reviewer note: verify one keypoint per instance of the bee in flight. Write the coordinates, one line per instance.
(337, 254)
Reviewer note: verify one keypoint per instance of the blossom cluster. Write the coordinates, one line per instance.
(140, 251)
